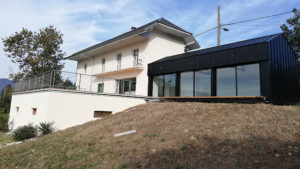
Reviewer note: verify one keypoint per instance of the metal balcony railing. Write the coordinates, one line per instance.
(64, 80)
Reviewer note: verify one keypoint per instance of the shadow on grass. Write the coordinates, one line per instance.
(212, 153)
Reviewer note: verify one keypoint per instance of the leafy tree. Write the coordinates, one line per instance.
(34, 52)
(292, 32)
(5, 99)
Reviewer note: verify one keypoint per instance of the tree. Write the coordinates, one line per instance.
(34, 52)
(292, 33)
(5, 98)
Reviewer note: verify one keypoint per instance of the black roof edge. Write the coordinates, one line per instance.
(190, 54)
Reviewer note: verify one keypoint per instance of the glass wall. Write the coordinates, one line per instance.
(169, 85)
(238, 81)
(186, 84)
(203, 83)
(248, 80)
(157, 87)
(226, 82)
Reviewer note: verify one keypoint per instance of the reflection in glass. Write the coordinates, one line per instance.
(186, 84)
(157, 89)
(169, 82)
(226, 84)
(248, 80)
(202, 83)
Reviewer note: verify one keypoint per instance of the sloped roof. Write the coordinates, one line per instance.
(136, 31)
(222, 47)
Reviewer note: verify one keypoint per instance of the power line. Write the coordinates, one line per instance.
(243, 21)
(283, 13)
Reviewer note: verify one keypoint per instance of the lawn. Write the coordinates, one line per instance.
(171, 135)
(4, 138)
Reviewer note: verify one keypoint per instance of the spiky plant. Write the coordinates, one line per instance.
(46, 127)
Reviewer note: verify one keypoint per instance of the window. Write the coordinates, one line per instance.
(241, 80)
(103, 65)
(186, 84)
(203, 83)
(157, 87)
(136, 57)
(169, 85)
(99, 114)
(119, 59)
(226, 82)
(126, 86)
(17, 109)
(100, 87)
(248, 80)
(34, 111)
(85, 67)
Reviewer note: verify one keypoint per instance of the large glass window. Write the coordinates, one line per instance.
(169, 85)
(248, 80)
(226, 82)
(158, 86)
(126, 86)
(186, 84)
(203, 83)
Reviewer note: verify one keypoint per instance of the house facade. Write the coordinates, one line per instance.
(120, 64)
(111, 76)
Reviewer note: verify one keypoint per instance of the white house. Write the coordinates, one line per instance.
(111, 76)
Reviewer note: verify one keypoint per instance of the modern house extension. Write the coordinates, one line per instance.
(264, 67)
(111, 76)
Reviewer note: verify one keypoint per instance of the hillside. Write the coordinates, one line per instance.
(171, 135)
(4, 82)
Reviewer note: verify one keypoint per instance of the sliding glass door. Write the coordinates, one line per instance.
(126, 86)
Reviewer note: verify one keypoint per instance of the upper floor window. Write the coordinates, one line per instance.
(85, 67)
(103, 65)
(119, 59)
(136, 57)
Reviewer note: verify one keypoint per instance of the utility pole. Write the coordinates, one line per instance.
(219, 28)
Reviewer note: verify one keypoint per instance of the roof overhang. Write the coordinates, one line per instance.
(188, 38)
(106, 48)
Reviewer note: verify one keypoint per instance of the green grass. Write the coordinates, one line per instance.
(4, 138)
(171, 135)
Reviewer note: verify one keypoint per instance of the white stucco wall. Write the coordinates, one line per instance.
(159, 45)
(66, 108)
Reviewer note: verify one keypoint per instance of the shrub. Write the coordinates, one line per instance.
(4, 122)
(25, 132)
(46, 127)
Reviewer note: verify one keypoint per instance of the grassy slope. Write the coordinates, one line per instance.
(171, 135)
(4, 138)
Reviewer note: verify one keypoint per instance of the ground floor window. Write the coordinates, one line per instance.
(164, 85)
(100, 87)
(158, 86)
(241, 80)
(187, 84)
(203, 83)
(126, 86)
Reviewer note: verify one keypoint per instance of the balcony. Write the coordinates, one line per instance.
(137, 67)
(63, 80)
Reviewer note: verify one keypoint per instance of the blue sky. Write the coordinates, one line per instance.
(88, 22)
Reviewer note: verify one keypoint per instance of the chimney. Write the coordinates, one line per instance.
(133, 28)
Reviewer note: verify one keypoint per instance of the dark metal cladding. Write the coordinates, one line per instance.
(284, 75)
(278, 65)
